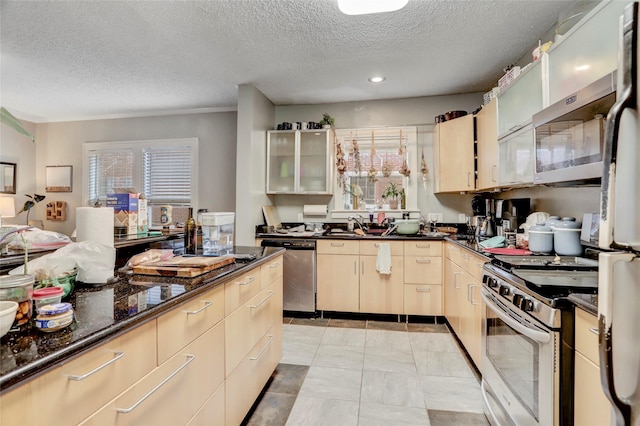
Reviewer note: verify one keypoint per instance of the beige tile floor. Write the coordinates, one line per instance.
(360, 372)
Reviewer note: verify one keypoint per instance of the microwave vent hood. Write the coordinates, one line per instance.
(569, 135)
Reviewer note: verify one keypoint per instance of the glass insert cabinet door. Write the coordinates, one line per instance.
(298, 162)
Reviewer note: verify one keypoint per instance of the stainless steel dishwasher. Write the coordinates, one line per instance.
(299, 273)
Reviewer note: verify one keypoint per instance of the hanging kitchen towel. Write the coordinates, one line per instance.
(383, 260)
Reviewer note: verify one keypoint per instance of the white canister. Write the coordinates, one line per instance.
(566, 237)
(540, 239)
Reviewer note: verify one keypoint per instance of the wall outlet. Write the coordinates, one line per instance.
(435, 217)
(462, 218)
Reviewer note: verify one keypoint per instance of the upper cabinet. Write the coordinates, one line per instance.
(587, 52)
(299, 161)
(523, 98)
(487, 139)
(453, 145)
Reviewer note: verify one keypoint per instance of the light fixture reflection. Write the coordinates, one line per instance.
(377, 79)
(363, 7)
(582, 67)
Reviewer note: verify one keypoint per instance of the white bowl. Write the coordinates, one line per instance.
(8, 311)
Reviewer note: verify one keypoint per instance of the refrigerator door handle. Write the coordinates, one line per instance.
(626, 95)
(606, 262)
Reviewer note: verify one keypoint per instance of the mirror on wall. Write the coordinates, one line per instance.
(58, 178)
(7, 178)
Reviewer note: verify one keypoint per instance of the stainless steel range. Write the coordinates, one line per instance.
(527, 352)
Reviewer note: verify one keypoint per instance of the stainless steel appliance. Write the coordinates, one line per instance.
(619, 273)
(569, 134)
(527, 351)
(299, 273)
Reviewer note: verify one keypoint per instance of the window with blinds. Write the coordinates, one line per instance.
(164, 171)
(167, 174)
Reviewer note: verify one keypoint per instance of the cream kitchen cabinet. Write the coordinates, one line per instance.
(381, 293)
(423, 278)
(454, 155)
(338, 275)
(173, 392)
(299, 161)
(591, 406)
(487, 146)
(347, 279)
(464, 308)
(70, 393)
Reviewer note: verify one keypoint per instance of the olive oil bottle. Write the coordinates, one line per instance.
(190, 234)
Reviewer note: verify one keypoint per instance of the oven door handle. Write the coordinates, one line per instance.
(538, 336)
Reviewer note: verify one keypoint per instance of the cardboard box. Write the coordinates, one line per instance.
(143, 219)
(125, 209)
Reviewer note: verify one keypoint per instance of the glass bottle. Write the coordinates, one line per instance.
(190, 234)
(403, 200)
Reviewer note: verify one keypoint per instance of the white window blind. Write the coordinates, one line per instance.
(167, 174)
(109, 169)
(164, 170)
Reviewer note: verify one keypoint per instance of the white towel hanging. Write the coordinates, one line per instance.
(383, 260)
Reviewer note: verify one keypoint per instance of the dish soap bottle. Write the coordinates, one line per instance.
(190, 234)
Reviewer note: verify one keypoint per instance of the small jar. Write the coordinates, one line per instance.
(18, 288)
(47, 296)
(54, 317)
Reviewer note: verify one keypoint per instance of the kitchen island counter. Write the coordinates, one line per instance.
(102, 313)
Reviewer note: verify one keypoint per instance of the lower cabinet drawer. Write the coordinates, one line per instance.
(422, 299)
(591, 406)
(241, 289)
(271, 271)
(184, 324)
(172, 393)
(212, 412)
(247, 324)
(246, 382)
(422, 270)
(586, 329)
(83, 385)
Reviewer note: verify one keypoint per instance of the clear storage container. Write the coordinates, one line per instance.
(18, 288)
(217, 232)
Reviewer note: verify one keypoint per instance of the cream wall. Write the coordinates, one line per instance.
(16, 148)
(61, 144)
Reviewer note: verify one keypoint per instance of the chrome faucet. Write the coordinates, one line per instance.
(358, 219)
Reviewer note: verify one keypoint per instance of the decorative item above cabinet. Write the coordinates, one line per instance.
(299, 161)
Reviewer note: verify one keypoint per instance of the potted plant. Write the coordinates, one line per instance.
(392, 192)
(327, 121)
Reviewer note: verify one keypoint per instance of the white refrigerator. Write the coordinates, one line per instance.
(619, 266)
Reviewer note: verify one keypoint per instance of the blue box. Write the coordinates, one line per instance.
(125, 210)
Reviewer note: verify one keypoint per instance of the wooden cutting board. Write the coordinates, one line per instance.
(181, 266)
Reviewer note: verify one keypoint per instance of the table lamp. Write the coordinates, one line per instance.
(7, 208)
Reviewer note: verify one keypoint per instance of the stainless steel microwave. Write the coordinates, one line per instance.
(569, 134)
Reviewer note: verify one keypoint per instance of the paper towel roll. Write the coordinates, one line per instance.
(314, 210)
(95, 224)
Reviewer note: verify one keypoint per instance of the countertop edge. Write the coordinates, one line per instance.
(50, 362)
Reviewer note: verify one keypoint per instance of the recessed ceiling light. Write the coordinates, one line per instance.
(377, 79)
(363, 7)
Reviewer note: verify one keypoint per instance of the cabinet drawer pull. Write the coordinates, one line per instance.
(466, 256)
(493, 169)
(455, 279)
(197, 311)
(594, 331)
(190, 358)
(263, 349)
(337, 244)
(423, 260)
(249, 280)
(423, 290)
(427, 245)
(470, 294)
(262, 301)
(274, 265)
(469, 179)
(118, 355)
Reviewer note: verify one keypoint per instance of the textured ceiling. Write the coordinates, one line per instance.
(78, 59)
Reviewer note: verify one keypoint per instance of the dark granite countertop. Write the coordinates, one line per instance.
(586, 302)
(101, 312)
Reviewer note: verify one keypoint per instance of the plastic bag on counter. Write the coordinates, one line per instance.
(95, 262)
(151, 255)
(36, 238)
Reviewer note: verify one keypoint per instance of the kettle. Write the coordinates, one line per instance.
(487, 228)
